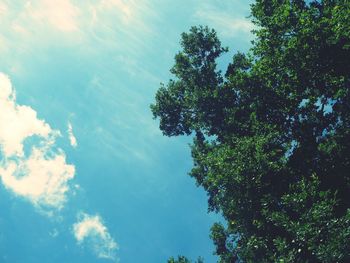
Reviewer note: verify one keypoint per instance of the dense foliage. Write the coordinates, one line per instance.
(182, 259)
(271, 136)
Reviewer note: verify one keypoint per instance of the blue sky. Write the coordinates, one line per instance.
(86, 175)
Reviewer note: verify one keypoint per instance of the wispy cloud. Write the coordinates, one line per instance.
(91, 230)
(227, 19)
(72, 139)
(229, 26)
(90, 27)
(41, 173)
(120, 24)
(61, 15)
(3, 8)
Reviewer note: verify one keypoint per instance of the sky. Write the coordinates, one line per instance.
(85, 173)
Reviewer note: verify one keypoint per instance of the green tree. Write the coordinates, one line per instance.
(182, 259)
(271, 136)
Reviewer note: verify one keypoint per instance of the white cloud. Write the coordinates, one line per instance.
(17, 122)
(72, 139)
(41, 174)
(90, 229)
(42, 180)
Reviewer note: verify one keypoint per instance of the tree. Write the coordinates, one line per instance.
(271, 136)
(182, 259)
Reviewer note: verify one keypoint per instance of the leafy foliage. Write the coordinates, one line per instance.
(182, 259)
(271, 136)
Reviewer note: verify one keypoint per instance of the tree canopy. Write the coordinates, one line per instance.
(271, 135)
(182, 259)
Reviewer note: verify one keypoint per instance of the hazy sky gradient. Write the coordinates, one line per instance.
(86, 175)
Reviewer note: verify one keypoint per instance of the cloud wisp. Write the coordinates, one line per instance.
(90, 230)
(227, 19)
(40, 173)
(61, 15)
(108, 23)
(73, 141)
